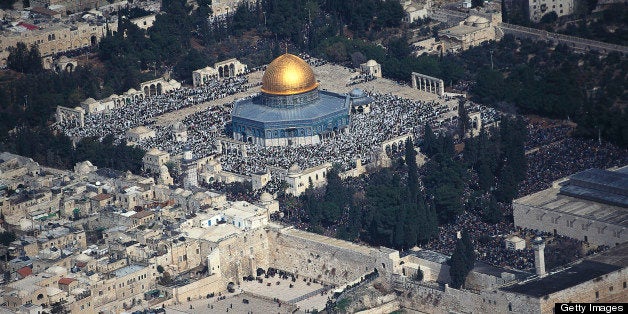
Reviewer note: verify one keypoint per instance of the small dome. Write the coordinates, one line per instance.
(471, 19)
(294, 169)
(356, 92)
(89, 101)
(288, 75)
(480, 22)
(371, 63)
(266, 197)
(179, 127)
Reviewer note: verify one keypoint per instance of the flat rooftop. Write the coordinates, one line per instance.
(598, 265)
(127, 270)
(570, 277)
(551, 200)
(428, 255)
(609, 187)
(458, 31)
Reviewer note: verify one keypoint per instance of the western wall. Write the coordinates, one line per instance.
(330, 261)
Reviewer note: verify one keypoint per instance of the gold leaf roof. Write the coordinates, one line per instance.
(288, 75)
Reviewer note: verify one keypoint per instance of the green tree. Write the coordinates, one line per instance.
(413, 175)
(7, 237)
(463, 119)
(491, 213)
(458, 268)
(549, 18)
(469, 250)
(23, 60)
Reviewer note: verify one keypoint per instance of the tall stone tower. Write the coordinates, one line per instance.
(188, 167)
(539, 256)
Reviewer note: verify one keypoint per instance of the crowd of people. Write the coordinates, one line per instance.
(551, 152)
(142, 111)
(488, 242)
(390, 117)
(361, 78)
(566, 157)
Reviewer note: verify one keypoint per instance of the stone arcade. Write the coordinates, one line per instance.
(428, 84)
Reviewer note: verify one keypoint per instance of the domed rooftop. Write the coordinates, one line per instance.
(266, 197)
(288, 75)
(356, 92)
(371, 63)
(294, 169)
(471, 19)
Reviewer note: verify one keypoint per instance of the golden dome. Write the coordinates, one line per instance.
(288, 75)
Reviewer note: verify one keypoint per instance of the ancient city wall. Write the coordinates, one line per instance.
(242, 254)
(329, 260)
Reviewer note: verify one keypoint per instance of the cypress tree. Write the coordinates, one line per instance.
(469, 250)
(458, 268)
(413, 176)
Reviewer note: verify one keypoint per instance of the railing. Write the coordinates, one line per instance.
(541, 34)
(308, 295)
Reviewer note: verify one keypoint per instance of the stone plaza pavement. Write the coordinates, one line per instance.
(260, 298)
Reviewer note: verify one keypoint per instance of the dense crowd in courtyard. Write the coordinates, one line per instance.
(551, 151)
(143, 111)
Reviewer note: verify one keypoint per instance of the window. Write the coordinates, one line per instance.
(610, 288)
(597, 295)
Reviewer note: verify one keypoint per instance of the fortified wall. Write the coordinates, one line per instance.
(328, 260)
(242, 254)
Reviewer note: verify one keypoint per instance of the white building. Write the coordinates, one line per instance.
(538, 8)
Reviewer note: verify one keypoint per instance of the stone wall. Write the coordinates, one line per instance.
(195, 290)
(573, 226)
(326, 259)
(242, 254)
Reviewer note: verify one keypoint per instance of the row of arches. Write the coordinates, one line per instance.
(395, 148)
(153, 90)
(227, 70)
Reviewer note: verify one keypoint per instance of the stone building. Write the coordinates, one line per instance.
(473, 31)
(222, 69)
(415, 10)
(601, 278)
(55, 38)
(139, 134)
(204, 75)
(360, 102)
(589, 206)
(299, 180)
(37, 290)
(224, 7)
(154, 159)
(230, 68)
(371, 67)
(64, 64)
(536, 9)
(144, 22)
(69, 5)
